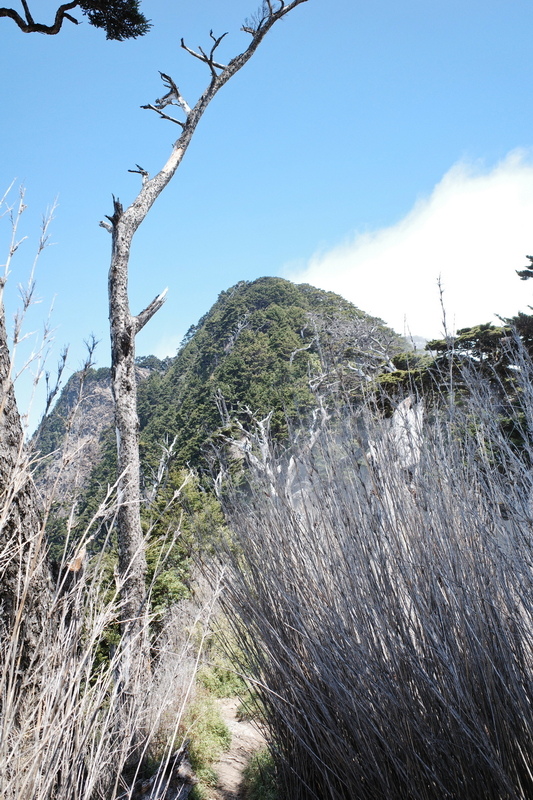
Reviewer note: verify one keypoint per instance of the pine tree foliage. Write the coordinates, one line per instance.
(121, 19)
(527, 272)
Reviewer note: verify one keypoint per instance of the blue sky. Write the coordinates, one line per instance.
(366, 148)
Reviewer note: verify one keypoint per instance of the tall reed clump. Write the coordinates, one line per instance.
(69, 727)
(77, 722)
(67, 730)
(383, 603)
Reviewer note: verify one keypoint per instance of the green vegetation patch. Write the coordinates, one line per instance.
(209, 737)
(260, 777)
(268, 345)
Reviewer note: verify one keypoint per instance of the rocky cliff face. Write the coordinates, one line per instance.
(70, 441)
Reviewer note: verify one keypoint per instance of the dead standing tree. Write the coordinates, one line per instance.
(124, 326)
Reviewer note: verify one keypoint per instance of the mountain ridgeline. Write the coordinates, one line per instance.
(267, 345)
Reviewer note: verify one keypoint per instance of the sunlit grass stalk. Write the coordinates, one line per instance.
(67, 728)
(385, 612)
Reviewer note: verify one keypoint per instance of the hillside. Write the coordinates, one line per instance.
(74, 437)
(264, 345)
(267, 344)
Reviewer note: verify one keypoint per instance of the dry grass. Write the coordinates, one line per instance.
(67, 729)
(75, 724)
(384, 607)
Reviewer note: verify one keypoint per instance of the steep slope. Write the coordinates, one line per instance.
(74, 437)
(70, 436)
(265, 345)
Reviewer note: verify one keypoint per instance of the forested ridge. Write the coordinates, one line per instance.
(267, 345)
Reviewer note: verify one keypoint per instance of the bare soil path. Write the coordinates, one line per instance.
(245, 740)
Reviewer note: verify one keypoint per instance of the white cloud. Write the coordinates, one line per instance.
(167, 345)
(473, 231)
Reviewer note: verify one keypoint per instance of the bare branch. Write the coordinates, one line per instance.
(208, 59)
(151, 107)
(29, 17)
(153, 187)
(264, 15)
(146, 315)
(51, 391)
(141, 171)
(211, 61)
(118, 212)
(29, 26)
(300, 350)
(173, 96)
(222, 408)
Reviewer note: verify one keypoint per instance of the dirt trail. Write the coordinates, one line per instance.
(245, 740)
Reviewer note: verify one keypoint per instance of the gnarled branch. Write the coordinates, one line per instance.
(172, 98)
(28, 25)
(140, 171)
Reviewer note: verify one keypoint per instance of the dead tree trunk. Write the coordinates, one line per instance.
(124, 326)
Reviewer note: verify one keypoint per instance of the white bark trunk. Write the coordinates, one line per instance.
(132, 561)
(123, 225)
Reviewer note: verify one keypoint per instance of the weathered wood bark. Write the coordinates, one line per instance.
(25, 584)
(124, 326)
(132, 560)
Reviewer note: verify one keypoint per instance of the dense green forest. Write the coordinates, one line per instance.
(267, 345)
